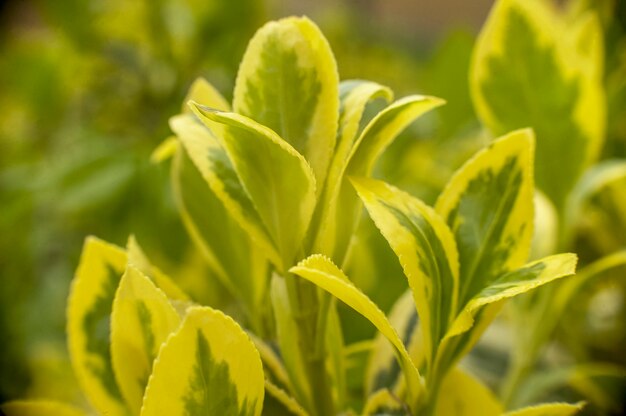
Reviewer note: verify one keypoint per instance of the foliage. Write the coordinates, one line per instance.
(271, 190)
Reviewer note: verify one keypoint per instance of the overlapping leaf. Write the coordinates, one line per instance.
(426, 250)
(141, 320)
(288, 82)
(209, 366)
(88, 321)
(278, 179)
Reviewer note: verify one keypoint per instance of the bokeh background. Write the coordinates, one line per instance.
(86, 90)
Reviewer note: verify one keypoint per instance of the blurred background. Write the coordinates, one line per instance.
(86, 90)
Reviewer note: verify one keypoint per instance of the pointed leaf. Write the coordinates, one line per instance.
(141, 320)
(209, 367)
(210, 158)
(354, 96)
(549, 409)
(488, 204)
(278, 179)
(426, 250)
(379, 133)
(88, 321)
(534, 68)
(39, 408)
(288, 82)
(527, 278)
(203, 92)
(323, 273)
(233, 257)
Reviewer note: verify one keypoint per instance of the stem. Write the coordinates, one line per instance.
(520, 368)
(304, 301)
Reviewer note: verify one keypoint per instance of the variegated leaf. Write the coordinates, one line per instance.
(88, 322)
(230, 252)
(379, 133)
(354, 95)
(323, 273)
(532, 67)
(426, 250)
(288, 82)
(215, 166)
(522, 280)
(39, 408)
(488, 204)
(141, 320)
(278, 178)
(203, 92)
(209, 367)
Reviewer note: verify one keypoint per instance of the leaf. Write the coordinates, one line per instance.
(463, 395)
(427, 252)
(138, 259)
(278, 179)
(288, 82)
(209, 367)
(549, 409)
(488, 205)
(39, 408)
(530, 68)
(375, 138)
(525, 279)
(233, 257)
(203, 92)
(279, 403)
(546, 221)
(210, 158)
(141, 320)
(89, 309)
(323, 273)
(354, 95)
(383, 369)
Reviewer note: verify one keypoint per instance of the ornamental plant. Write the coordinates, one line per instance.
(271, 188)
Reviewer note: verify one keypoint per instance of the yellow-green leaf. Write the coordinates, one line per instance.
(209, 367)
(203, 92)
(522, 280)
(39, 408)
(288, 82)
(488, 204)
(550, 409)
(141, 320)
(88, 320)
(463, 395)
(231, 254)
(383, 402)
(532, 67)
(323, 273)
(212, 161)
(373, 140)
(277, 178)
(354, 95)
(426, 250)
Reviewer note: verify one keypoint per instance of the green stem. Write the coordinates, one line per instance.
(304, 301)
(517, 373)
